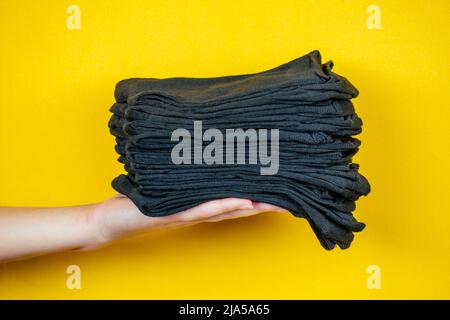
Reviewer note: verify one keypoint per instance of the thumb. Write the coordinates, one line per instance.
(213, 208)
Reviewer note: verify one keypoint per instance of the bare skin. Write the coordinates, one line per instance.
(29, 232)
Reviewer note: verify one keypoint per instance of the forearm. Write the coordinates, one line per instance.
(26, 232)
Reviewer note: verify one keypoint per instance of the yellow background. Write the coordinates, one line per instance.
(56, 86)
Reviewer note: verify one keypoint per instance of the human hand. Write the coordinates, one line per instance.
(26, 231)
(118, 217)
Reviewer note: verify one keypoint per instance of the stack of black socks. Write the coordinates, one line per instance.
(172, 135)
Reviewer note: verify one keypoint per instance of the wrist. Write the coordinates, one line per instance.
(95, 228)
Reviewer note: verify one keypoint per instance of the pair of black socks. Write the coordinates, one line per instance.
(303, 100)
